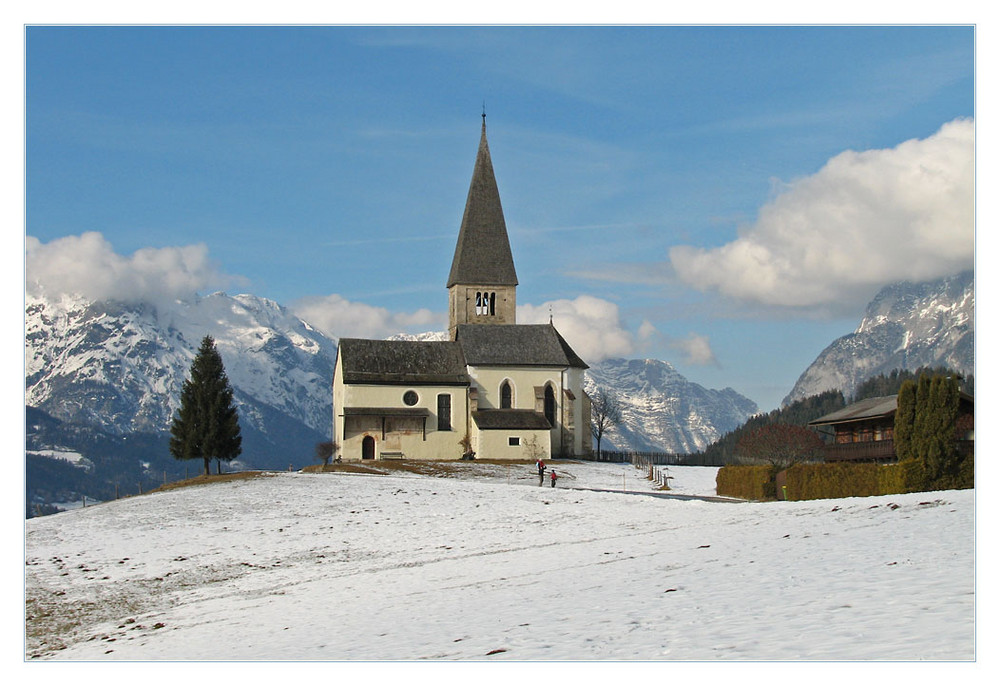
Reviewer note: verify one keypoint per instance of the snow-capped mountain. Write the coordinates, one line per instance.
(109, 375)
(906, 326)
(120, 367)
(661, 410)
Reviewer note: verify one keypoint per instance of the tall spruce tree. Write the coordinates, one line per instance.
(206, 426)
(922, 419)
(906, 404)
(939, 443)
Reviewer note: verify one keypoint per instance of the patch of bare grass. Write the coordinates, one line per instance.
(210, 479)
(454, 468)
(343, 468)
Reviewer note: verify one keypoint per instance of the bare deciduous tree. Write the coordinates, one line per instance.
(605, 412)
(780, 445)
(325, 451)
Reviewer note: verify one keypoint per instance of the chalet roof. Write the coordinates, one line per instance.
(869, 408)
(482, 254)
(510, 419)
(516, 345)
(402, 362)
(873, 408)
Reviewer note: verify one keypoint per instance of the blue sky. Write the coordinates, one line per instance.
(694, 194)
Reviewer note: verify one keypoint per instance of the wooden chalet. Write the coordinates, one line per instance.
(863, 431)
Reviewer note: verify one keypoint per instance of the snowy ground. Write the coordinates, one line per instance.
(352, 567)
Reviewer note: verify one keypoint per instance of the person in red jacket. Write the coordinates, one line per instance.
(552, 475)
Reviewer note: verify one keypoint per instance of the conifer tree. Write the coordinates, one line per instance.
(903, 430)
(942, 412)
(206, 426)
(922, 419)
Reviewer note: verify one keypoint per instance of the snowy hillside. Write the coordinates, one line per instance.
(906, 326)
(662, 411)
(351, 567)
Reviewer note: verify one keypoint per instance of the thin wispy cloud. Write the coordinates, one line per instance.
(528, 230)
(915, 78)
(390, 239)
(644, 273)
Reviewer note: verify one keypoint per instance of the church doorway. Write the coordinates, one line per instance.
(368, 448)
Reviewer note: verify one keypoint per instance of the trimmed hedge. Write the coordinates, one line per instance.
(839, 480)
(959, 475)
(750, 482)
(845, 480)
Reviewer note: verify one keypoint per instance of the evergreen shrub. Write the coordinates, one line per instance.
(960, 475)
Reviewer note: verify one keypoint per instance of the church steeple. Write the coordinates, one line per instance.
(482, 255)
(481, 285)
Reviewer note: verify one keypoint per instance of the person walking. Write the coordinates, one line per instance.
(552, 475)
(541, 471)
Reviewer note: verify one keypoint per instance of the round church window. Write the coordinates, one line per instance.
(410, 398)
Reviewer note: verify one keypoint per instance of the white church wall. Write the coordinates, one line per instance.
(406, 437)
(513, 444)
(523, 381)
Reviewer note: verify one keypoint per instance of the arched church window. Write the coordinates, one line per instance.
(506, 396)
(493, 304)
(479, 302)
(444, 412)
(550, 405)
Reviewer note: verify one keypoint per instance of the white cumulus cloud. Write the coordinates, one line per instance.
(338, 317)
(592, 326)
(864, 220)
(88, 265)
(695, 348)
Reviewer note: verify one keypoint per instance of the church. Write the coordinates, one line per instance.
(496, 389)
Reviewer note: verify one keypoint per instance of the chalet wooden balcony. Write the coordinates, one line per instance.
(861, 451)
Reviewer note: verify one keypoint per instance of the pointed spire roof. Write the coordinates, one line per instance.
(482, 255)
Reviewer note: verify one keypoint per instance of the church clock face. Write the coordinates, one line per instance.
(410, 398)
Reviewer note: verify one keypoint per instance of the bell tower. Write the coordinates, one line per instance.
(482, 282)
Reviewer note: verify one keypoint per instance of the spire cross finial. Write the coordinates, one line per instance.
(484, 112)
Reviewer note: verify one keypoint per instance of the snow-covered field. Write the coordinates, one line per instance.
(493, 567)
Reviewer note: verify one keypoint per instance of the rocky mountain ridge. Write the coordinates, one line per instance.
(119, 367)
(661, 410)
(906, 326)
